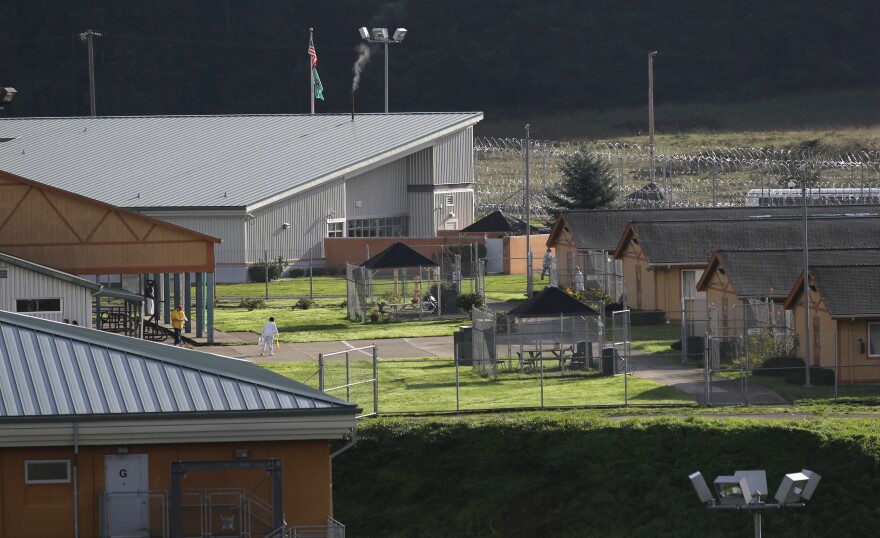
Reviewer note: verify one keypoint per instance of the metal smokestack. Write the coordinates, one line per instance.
(352, 106)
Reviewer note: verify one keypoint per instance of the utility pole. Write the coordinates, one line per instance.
(651, 109)
(87, 37)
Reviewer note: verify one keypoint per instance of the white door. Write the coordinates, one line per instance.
(495, 255)
(127, 483)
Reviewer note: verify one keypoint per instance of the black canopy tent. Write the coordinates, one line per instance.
(497, 221)
(552, 302)
(398, 255)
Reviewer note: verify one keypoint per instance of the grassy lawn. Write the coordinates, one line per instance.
(323, 323)
(799, 394)
(428, 384)
(322, 286)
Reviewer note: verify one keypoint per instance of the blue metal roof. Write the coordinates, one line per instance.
(50, 369)
(210, 161)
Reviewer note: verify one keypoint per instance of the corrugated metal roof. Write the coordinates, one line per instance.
(48, 271)
(50, 369)
(207, 161)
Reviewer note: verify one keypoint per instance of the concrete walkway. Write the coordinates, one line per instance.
(661, 370)
(692, 381)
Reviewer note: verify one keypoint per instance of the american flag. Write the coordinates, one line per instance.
(312, 53)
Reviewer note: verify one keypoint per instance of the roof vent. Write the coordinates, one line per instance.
(5, 139)
(4, 272)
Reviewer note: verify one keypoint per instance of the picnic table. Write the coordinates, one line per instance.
(541, 350)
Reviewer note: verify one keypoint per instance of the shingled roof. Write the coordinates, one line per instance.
(600, 229)
(772, 273)
(848, 291)
(692, 242)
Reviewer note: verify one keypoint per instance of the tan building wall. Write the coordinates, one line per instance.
(42, 510)
(641, 290)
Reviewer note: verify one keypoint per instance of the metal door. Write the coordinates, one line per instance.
(494, 255)
(126, 482)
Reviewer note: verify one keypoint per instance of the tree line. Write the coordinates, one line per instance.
(500, 57)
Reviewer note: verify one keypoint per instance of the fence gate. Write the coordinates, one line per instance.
(483, 342)
(724, 371)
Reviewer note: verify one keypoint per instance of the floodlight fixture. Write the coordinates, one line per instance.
(733, 490)
(792, 488)
(399, 34)
(380, 34)
(810, 488)
(701, 487)
(757, 481)
(7, 95)
(365, 34)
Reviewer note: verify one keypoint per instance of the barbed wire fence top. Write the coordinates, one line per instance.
(702, 177)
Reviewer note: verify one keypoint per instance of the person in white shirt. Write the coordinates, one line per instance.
(578, 280)
(267, 339)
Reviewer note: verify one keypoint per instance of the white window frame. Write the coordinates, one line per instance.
(874, 353)
(28, 480)
(342, 227)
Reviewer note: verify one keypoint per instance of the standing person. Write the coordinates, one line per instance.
(548, 263)
(578, 280)
(267, 339)
(178, 318)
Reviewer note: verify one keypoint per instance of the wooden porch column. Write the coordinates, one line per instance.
(200, 304)
(210, 316)
(187, 302)
(166, 297)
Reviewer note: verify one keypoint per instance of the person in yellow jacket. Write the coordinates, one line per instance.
(178, 318)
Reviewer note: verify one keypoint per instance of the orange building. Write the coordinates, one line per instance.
(104, 435)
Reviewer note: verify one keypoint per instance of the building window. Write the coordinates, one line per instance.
(46, 471)
(336, 228)
(38, 305)
(378, 227)
(874, 339)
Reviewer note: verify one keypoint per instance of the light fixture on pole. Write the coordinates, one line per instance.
(806, 272)
(747, 490)
(528, 222)
(380, 35)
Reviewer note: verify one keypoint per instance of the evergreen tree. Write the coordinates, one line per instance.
(588, 182)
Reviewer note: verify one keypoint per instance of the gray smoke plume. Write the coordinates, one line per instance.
(364, 52)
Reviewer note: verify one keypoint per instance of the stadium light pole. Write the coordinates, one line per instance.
(380, 35)
(528, 222)
(651, 109)
(806, 272)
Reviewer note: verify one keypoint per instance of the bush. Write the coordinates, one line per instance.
(467, 301)
(296, 272)
(257, 271)
(780, 367)
(252, 303)
(304, 303)
(818, 376)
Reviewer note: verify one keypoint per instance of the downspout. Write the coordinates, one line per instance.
(75, 480)
(338, 452)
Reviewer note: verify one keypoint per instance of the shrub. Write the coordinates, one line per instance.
(257, 271)
(297, 272)
(304, 303)
(252, 303)
(467, 301)
(780, 367)
(818, 376)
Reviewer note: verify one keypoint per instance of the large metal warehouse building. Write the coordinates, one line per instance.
(267, 185)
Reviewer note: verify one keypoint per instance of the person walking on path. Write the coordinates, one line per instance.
(267, 339)
(578, 280)
(178, 318)
(548, 263)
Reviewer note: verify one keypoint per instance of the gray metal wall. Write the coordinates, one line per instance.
(20, 283)
(463, 208)
(420, 167)
(380, 192)
(421, 223)
(229, 229)
(307, 214)
(454, 158)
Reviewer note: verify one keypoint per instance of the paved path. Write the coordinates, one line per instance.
(693, 380)
(661, 370)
